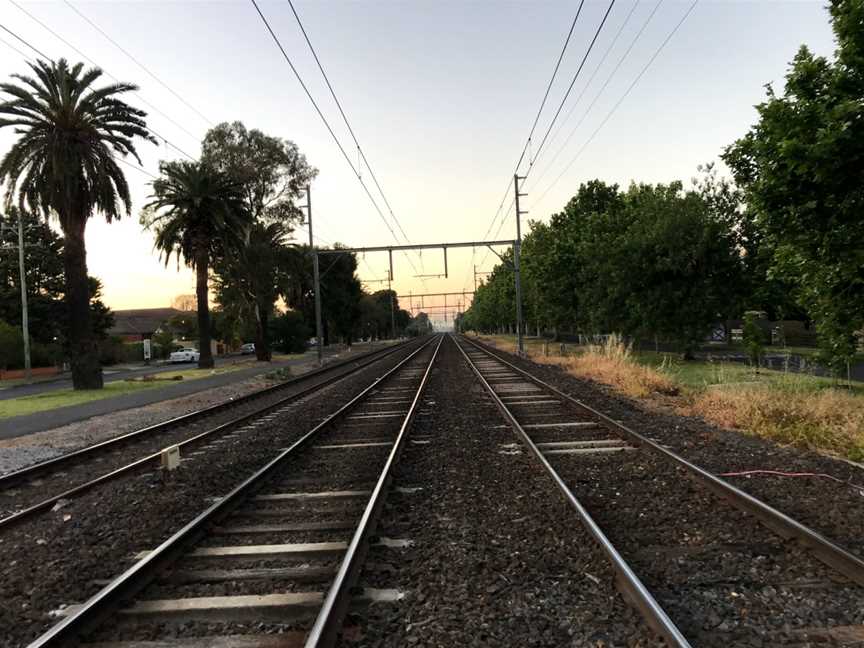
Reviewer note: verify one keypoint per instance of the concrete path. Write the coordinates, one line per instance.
(20, 425)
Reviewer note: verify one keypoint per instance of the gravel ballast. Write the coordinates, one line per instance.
(60, 557)
(834, 509)
(497, 558)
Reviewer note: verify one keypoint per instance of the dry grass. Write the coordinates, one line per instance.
(788, 408)
(825, 419)
(612, 364)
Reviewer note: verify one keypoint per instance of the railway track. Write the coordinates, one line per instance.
(683, 543)
(35, 489)
(281, 552)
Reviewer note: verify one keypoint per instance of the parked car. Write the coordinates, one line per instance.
(185, 355)
(247, 348)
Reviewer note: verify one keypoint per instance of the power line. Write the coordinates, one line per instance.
(164, 139)
(15, 49)
(17, 37)
(570, 88)
(591, 79)
(327, 124)
(621, 100)
(92, 62)
(537, 117)
(348, 124)
(139, 63)
(345, 119)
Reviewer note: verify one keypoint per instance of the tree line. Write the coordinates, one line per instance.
(783, 235)
(230, 216)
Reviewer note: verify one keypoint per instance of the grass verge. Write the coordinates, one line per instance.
(66, 397)
(797, 409)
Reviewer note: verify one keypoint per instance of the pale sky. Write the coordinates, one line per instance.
(441, 96)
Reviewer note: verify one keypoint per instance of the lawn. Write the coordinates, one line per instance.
(65, 397)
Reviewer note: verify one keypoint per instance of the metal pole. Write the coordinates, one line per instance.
(319, 327)
(25, 325)
(392, 311)
(517, 247)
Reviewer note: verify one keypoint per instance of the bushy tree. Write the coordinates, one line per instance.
(802, 170)
(290, 332)
(254, 273)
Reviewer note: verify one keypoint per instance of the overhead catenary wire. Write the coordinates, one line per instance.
(360, 151)
(345, 119)
(93, 62)
(21, 40)
(139, 63)
(327, 124)
(570, 88)
(537, 116)
(116, 80)
(620, 100)
(590, 80)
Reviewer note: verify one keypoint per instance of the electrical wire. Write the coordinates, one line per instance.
(621, 100)
(94, 63)
(17, 37)
(350, 129)
(570, 87)
(139, 63)
(588, 83)
(321, 115)
(329, 128)
(345, 119)
(537, 117)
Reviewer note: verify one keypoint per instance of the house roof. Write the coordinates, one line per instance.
(141, 321)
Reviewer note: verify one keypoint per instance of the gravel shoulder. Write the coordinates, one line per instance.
(59, 558)
(835, 509)
(20, 451)
(497, 558)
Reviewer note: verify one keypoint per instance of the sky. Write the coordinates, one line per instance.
(441, 96)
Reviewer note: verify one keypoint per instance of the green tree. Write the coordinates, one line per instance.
(11, 345)
(802, 170)
(273, 173)
(64, 163)
(43, 262)
(290, 332)
(251, 278)
(194, 210)
(754, 339)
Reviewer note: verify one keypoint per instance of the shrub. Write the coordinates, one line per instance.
(11, 346)
(289, 332)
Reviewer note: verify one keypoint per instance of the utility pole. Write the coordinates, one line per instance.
(392, 310)
(517, 250)
(25, 325)
(319, 328)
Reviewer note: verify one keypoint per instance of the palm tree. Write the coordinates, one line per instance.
(195, 211)
(253, 276)
(64, 163)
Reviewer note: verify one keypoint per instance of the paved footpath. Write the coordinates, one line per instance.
(29, 423)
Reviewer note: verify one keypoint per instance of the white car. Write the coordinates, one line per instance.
(184, 355)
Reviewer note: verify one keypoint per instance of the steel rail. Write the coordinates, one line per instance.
(139, 575)
(47, 503)
(629, 583)
(830, 553)
(41, 467)
(326, 628)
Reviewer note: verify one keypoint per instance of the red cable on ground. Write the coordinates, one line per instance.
(779, 473)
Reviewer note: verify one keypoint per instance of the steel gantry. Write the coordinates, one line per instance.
(389, 249)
